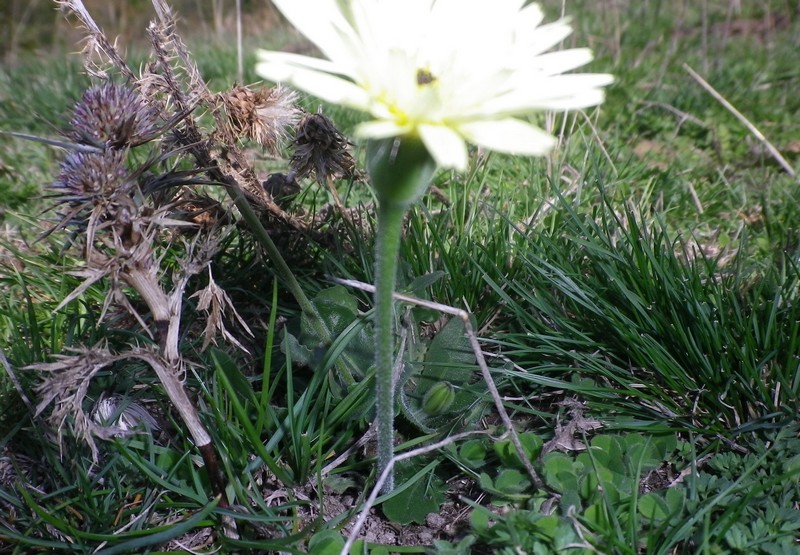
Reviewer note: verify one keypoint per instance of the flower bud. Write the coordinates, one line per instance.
(439, 398)
(400, 169)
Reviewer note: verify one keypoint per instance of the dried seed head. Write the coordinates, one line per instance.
(89, 176)
(320, 150)
(112, 115)
(262, 115)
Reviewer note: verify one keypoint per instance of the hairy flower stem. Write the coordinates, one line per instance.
(400, 170)
(387, 248)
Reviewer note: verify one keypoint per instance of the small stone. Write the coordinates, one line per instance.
(435, 521)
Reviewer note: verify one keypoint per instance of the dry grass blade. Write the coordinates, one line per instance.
(15, 381)
(738, 115)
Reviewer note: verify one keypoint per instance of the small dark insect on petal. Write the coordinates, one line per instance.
(425, 77)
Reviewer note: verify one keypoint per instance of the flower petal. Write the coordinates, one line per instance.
(320, 84)
(381, 129)
(321, 21)
(509, 135)
(287, 58)
(559, 92)
(554, 63)
(445, 145)
(545, 37)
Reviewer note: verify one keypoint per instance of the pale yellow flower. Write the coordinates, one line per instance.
(447, 71)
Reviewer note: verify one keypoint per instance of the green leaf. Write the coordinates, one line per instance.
(642, 452)
(327, 542)
(418, 493)
(472, 453)
(559, 472)
(480, 519)
(569, 498)
(598, 515)
(666, 445)
(548, 526)
(675, 499)
(608, 452)
(588, 485)
(450, 357)
(737, 536)
(352, 335)
(448, 360)
(239, 383)
(653, 507)
(511, 482)
(461, 548)
(301, 355)
(420, 283)
(507, 453)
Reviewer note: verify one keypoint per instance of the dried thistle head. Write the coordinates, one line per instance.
(113, 115)
(102, 195)
(262, 115)
(320, 150)
(86, 177)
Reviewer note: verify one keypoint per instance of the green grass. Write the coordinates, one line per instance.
(645, 273)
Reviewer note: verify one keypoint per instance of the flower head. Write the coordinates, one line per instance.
(88, 177)
(445, 71)
(320, 150)
(262, 115)
(112, 115)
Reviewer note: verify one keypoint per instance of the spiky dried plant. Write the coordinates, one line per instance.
(120, 208)
(321, 150)
(113, 115)
(125, 214)
(120, 224)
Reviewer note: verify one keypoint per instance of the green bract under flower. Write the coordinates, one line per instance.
(447, 71)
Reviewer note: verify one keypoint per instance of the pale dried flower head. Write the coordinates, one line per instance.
(122, 416)
(262, 115)
(65, 386)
